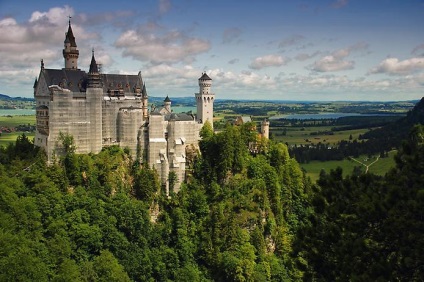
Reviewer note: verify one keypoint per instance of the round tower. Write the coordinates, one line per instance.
(70, 51)
(204, 100)
(265, 128)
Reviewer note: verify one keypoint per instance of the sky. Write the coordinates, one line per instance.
(299, 50)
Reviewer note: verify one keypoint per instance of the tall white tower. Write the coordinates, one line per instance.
(265, 128)
(205, 100)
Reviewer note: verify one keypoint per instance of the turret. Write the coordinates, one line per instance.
(204, 100)
(144, 98)
(265, 128)
(70, 51)
(205, 83)
(167, 104)
(94, 79)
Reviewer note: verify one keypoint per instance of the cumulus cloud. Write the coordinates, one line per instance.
(393, 66)
(40, 37)
(231, 35)
(171, 47)
(305, 56)
(336, 61)
(267, 61)
(24, 44)
(331, 63)
(54, 15)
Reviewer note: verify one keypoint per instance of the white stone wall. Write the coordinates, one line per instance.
(129, 122)
(110, 110)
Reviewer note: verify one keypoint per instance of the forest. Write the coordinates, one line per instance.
(243, 215)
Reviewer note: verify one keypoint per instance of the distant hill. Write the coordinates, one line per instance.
(4, 97)
(8, 98)
(392, 134)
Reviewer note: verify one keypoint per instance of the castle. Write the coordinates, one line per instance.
(100, 110)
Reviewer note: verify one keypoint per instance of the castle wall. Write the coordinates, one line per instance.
(110, 110)
(42, 96)
(157, 156)
(71, 116)
(129, 121)
(94, 114)
(180, 134)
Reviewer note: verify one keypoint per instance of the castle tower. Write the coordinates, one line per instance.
(167, 104)
(70, 52)
(94, 79)
(265, 128)
(144, 100)
(94, 94)
(205, 100)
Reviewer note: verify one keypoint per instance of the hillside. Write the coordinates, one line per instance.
(391, 135)
(241, 217)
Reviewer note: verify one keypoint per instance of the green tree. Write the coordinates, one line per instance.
(108, 268)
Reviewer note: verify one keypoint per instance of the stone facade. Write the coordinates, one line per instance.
(101, 110)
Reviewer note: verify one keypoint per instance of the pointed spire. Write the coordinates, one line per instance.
(167, 99)
(35, 83)
(144, 91)
(205, 77)
(42, 64)
(93, 64)
(70, 35)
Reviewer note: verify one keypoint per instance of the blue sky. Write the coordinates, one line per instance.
(288, 50)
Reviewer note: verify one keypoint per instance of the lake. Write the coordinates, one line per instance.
(181, 109)
(323, 116)
(16, 112)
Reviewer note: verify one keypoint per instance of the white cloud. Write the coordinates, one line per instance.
(171, 47)
(23, 44)
(336, 61)
(393, 66)
(54, 16)
(332, 63)
(267, 61)
(305, 56)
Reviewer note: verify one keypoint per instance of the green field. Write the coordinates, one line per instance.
(379, 167)
(13, 121)
(302, 135)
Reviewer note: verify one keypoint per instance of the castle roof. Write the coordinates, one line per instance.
(70, 36)
(76, 80)
(178, 117)
(167, 99)
(93, 65)
(205, 77)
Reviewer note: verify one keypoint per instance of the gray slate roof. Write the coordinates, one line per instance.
(76, 80)
(205, 77)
